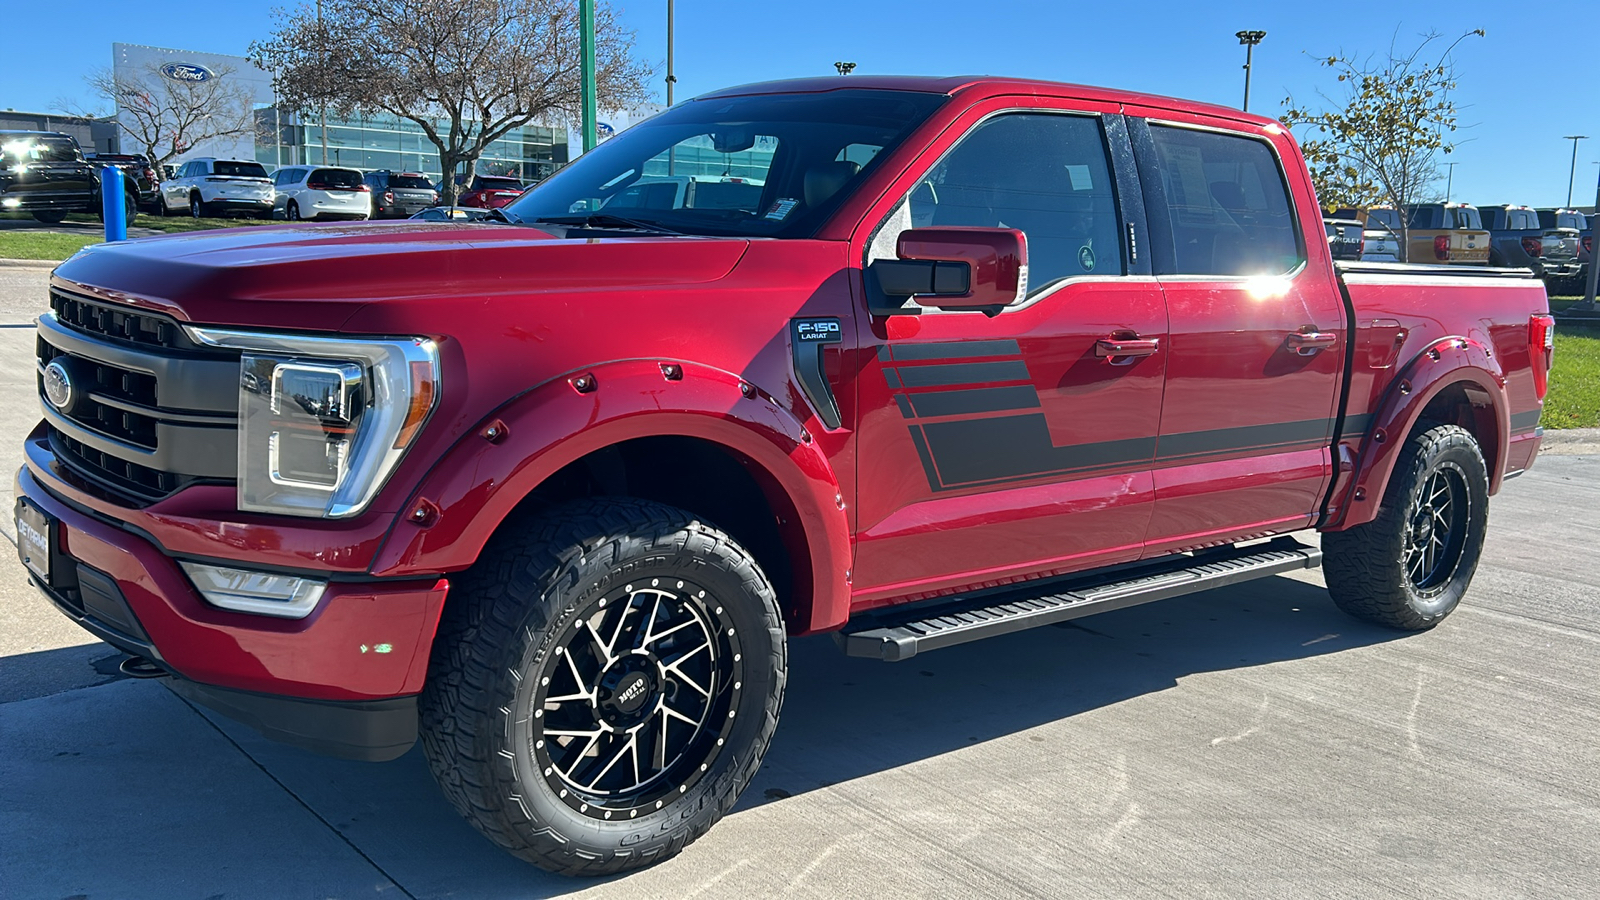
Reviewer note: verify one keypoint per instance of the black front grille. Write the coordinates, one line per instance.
(151, 412)
(115, 382)
(128, 479)
(136, 327)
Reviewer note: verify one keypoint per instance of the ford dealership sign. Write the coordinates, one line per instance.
(190, 72)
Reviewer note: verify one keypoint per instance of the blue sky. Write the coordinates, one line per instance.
(1523, 86)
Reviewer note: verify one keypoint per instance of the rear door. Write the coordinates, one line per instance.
(1005, 447)
(1256, 334)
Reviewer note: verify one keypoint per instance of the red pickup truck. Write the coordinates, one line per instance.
(551, 490)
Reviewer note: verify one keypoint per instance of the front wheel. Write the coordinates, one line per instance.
(50, 216)
(1409, 567)
(604, 684)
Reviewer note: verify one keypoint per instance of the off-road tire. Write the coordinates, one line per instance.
(503, 631)
(1364, 565)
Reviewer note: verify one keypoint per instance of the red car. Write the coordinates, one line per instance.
(489, 191)
(552, 491)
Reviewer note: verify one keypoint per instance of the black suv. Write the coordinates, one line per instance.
(44, 173)
(397, 195)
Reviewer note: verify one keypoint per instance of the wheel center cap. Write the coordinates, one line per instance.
(1425, 530)
(627, 690)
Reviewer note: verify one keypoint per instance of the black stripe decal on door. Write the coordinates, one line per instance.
(975, 400)
(964, 373)
(1226, 440)
(955, 350)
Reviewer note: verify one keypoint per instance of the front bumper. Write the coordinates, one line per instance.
(343, 680)
(30, 201)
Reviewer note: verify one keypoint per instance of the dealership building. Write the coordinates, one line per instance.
(284, 137)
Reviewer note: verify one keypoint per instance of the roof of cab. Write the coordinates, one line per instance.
(982, 86)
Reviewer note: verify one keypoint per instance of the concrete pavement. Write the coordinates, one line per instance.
(1251, 742)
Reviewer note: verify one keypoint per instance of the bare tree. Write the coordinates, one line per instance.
(165, 117)
(466, 72)
(1381, 141)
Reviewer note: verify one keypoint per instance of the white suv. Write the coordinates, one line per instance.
(320, 192)
(211, 187)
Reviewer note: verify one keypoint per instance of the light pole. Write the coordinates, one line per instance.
(586, 24)
(1573, 171)
(671, 78)
(1449, 180)
(1586, 305)
(1249, 39)
(845, 68)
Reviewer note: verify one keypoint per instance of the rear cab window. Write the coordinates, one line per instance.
(410, 181)
(1227, 204)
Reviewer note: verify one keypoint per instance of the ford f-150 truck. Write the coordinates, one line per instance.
(551, 490)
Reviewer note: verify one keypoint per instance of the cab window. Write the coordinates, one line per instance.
(1227, 204)
(1047, 175)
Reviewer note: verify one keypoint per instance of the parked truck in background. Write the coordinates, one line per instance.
(1446, 233)
(1519, 238)
(552, 490)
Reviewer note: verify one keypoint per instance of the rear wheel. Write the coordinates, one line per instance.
(604, 684)
(196, 208)
(1409, 567)
(292, 212)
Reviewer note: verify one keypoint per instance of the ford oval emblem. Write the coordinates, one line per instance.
(190, 72)
(57, 385)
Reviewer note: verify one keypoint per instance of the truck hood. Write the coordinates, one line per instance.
(315, 277)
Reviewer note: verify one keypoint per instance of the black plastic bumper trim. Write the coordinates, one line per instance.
(364, 730)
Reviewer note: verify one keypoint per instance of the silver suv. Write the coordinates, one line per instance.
(212, 187)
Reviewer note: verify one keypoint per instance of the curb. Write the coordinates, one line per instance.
(29, 263)
(1570, 442)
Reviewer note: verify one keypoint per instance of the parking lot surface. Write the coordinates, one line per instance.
(1250, 742)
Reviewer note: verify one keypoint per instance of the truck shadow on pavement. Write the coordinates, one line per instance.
(843, 719)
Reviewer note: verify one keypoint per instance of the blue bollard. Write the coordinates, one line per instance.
(112, 205)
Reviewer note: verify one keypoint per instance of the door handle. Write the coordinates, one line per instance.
(1115, 349)
(1307, 343)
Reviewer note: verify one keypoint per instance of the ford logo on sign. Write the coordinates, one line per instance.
(192, 72)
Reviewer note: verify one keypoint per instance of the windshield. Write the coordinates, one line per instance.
(40, 148)
(239, 169)
(772, 165)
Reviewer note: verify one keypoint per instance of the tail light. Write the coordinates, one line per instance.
(363, 188)
(1541, 347)
(388, 196)
(318, 186)
(1441, 247)
(1588, 243)
(1533, 247)
(1361, 246)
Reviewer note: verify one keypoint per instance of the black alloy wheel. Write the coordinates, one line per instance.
(638, 699)
(1437, 531)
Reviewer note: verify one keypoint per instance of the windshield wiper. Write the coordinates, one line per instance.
(604, 220)
(496, 212)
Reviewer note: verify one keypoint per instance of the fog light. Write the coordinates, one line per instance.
(263, 593)
(11, 202)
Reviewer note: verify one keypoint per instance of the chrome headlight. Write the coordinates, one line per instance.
(323, 422)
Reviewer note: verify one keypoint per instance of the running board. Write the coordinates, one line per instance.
(899, 634)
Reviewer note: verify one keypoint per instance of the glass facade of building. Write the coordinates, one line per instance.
(531, 153)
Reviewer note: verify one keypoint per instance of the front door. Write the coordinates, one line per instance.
(1257, 338)
(1008, 447)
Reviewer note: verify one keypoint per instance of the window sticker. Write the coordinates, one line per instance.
(1080, 178)
(1086, 257)
(781, 208)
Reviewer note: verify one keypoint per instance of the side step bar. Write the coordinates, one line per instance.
(899, 634)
